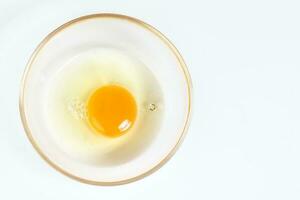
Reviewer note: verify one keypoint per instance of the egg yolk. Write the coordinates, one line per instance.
(111, 110)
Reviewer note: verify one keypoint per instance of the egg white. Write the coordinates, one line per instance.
(68, 94)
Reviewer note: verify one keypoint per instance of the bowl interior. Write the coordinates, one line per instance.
(138, 40)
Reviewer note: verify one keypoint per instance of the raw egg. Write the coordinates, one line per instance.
(104, 104)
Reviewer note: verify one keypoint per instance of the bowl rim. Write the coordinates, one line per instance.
(147, 27)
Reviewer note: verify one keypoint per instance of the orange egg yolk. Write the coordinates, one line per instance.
(111, 110)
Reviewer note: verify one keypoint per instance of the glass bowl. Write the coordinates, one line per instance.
(130, 35)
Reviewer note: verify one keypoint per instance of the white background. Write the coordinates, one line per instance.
(244, 138)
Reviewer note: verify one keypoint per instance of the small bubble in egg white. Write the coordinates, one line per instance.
(77, 108)
(152, 107)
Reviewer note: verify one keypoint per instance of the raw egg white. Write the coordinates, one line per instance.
(104, 107)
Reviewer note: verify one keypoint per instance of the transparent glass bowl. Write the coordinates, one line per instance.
(130, 35)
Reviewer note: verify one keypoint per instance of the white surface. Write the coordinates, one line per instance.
(244, 139)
